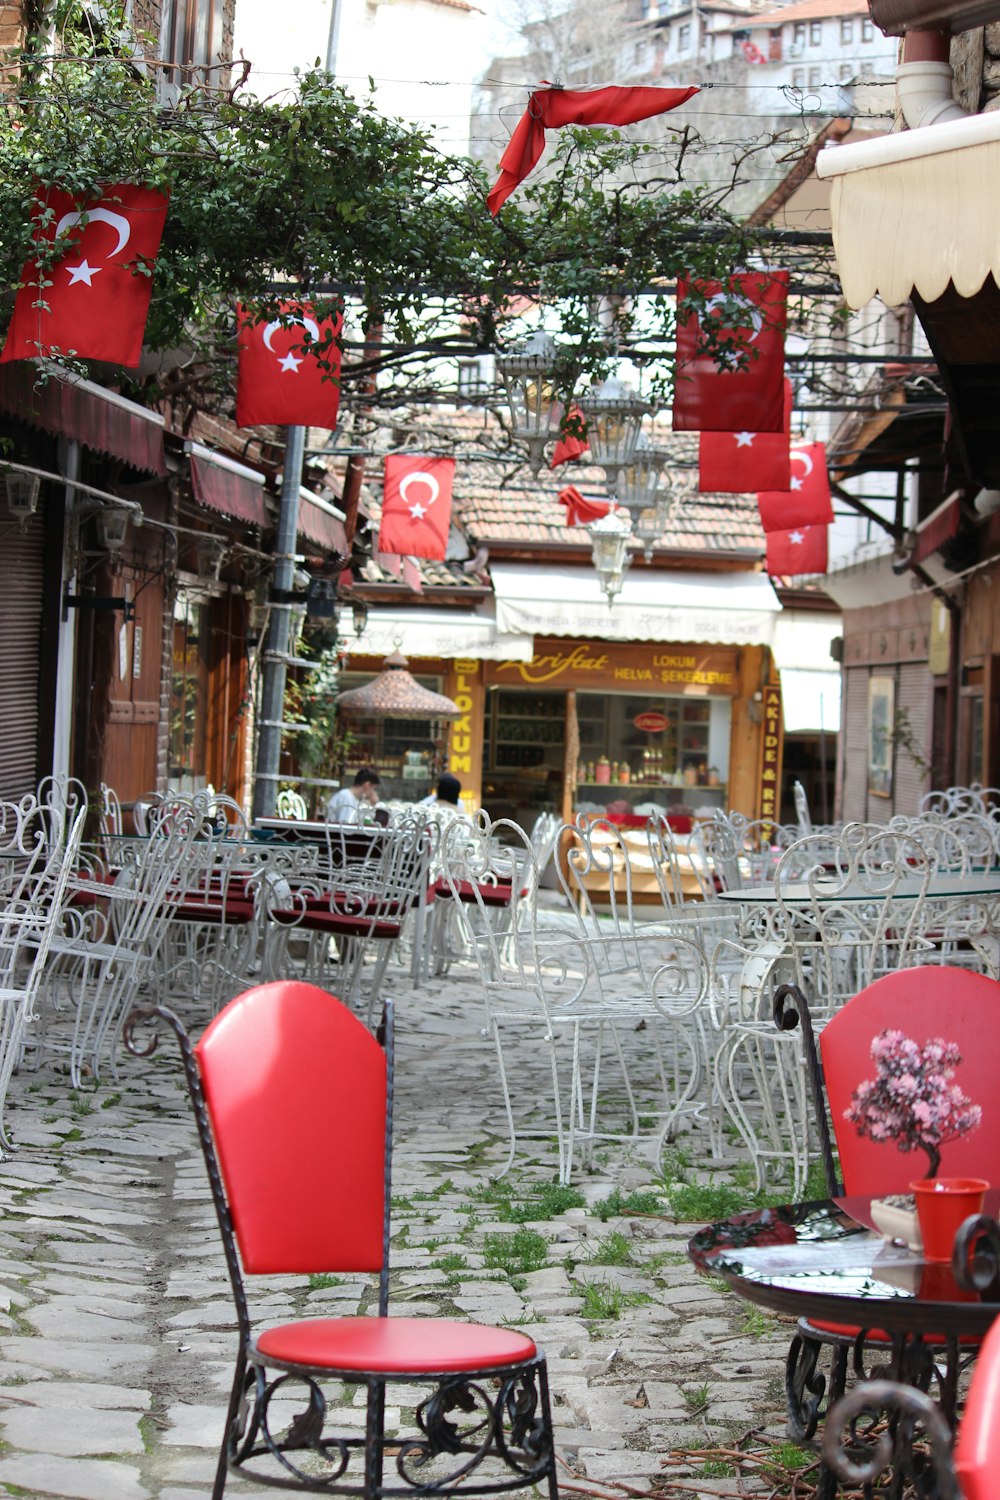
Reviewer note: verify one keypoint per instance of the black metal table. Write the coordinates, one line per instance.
(826, 1264)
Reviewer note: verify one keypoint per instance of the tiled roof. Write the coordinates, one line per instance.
(805, 10)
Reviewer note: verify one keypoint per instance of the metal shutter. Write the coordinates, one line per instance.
(21, 582)
(913, 697)
(855, 758)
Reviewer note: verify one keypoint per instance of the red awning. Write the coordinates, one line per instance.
(317, 525)
(84, 413)
(939, 527)
(228, 488)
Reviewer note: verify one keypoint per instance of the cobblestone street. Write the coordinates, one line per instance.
(118, 1329)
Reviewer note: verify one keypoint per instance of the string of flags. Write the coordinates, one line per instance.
(94, 301)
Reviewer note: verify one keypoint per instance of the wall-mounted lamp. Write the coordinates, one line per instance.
(528, 374)
(609, 537)
(22, 495)
(112, 527)
(359, 614)
(210, 551)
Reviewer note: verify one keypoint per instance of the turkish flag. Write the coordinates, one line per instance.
(803, 549)
(416, 505)
(806, 502)
(741, 463)
(747, 314)
(98, 300)
(280, 381)
(552, 106)
(571, 444)
(579, 510)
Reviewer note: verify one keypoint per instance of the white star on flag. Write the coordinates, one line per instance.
(418, 511)
(796, 484)
(289, 363)
(796, 538)
(744, 439)
(83, 272)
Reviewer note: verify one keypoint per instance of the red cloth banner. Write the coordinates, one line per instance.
(279, 378)
(569, 445)
(98, 300)
(416, 505)
(550, 107)
(579, 510)
(749, 313)
(806, 502)
(741, 463)
(804, 549)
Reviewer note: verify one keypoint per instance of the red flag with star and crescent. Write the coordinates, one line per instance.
(807, 501)
(802, 549)
(94, 301)
(748, 312)
(742, 463)
(416, 505)
(572, 442)
(280, 379)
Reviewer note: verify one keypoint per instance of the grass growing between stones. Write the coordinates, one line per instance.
(615, 1250)
(518, 1253)
(544, 1201)
(603, 1300)
(618, 1204)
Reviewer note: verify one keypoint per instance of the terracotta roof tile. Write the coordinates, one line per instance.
(805, 10)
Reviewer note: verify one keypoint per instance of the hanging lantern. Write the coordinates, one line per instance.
(609, 537)
(614, 413)
(210, 552)
(22, 495)
(640, 493)
(112, 527)
(394, 694)
(528, 374)
(650, 523)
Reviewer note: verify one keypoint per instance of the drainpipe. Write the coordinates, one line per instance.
(924, 79)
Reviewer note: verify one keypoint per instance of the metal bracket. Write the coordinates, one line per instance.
(99, 601)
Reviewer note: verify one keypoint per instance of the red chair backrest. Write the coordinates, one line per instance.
(931, 1001)
(296, 1092)
(977, 1451)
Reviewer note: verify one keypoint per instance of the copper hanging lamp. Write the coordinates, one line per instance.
(394, 694)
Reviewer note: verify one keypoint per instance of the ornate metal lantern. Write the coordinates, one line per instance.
(112, 527)
(639, 492)
(614, 413)
(22, 494)
(609, 537)
(528, 377)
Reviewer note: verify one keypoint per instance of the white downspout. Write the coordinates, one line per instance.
(924, 79)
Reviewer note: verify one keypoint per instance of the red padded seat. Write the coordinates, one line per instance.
(321, 919)
(195, 909)
(394, 1345)
(489, 894)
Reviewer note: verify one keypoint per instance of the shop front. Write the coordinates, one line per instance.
(623, 729)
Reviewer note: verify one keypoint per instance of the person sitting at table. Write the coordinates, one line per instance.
(353, 804)
(448, 791)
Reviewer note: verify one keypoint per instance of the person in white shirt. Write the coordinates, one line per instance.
(353, 804)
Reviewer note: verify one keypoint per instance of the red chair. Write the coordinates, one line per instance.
(924, 1002)
(974, 1470)
(292, 1096)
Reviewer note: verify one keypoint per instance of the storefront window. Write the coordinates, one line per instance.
(188, 695)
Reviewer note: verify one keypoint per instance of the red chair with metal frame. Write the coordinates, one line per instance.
(923, 1002)
(970, 1473)
(292, 1096)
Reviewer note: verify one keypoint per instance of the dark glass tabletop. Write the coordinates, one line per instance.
(826, 1261)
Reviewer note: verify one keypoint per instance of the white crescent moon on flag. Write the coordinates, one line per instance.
(753, 314)
(118, 222)
(428, 479)
(309, 324)
(798, 453)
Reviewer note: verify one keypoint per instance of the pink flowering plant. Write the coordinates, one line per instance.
(912, 1099)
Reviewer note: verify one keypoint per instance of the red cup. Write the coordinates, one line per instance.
(943, 1203)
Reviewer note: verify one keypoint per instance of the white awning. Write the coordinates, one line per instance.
(449, 633)
(810, 701)
(810, 681)
(732, 609)
(909, 211)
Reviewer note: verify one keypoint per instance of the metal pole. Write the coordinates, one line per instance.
(279, 631)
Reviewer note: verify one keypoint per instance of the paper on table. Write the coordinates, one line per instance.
(838, 1255)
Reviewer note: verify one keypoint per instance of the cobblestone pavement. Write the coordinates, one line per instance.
(117, 1327)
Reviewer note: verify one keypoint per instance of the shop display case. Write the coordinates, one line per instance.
(645, 753)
